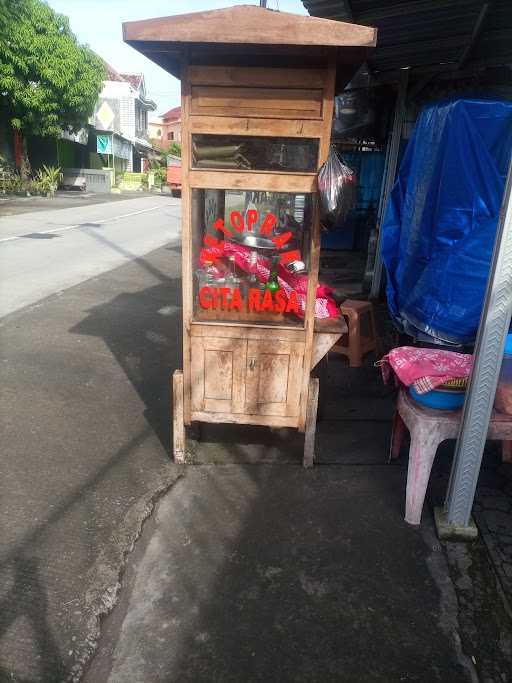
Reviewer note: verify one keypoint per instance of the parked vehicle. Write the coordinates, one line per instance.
(174, 175)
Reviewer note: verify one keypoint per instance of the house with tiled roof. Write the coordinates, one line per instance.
(165, 128)
(120, 121)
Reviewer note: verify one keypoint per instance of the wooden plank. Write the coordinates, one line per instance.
(244, 418)
(314, 261)
(218, 374)
(309, 99)
(297, 370)
(249, 25)
(196, 369)
(178, 426)
(257, 112)
(328, 106)
(309, 440)
(331, 325)
(256, 76)
(274, 372)
(239, 379)
(231, 125)
(186, 239)
(257, 102)
(254, 180)
(322, 344)
(265, 333)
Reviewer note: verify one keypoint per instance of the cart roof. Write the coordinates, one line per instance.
(163, 39)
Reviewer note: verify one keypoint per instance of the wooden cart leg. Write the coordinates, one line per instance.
(178, 426)
(309, 441)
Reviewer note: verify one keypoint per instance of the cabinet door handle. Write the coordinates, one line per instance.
(252, 363)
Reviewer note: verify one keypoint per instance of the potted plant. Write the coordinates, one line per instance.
(47, 179)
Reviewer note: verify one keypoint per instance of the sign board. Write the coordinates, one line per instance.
(107, 115)
(104, 144)
(122, 148)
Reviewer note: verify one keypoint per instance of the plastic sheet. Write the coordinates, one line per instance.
(440, 223)
(337, 188)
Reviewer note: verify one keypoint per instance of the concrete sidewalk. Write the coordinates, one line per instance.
(273, 573)
(251, 569)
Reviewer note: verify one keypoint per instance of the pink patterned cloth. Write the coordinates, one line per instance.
(325, 306)
(425, 369)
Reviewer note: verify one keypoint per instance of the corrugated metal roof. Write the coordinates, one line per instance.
(425, 33)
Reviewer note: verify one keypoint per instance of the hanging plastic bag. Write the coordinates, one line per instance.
(337, 188)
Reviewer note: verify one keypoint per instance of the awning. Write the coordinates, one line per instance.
(428, 36)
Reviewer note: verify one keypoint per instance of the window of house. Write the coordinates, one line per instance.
(170, 136)
(159, 133)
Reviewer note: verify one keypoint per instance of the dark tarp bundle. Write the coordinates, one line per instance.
(440, 223)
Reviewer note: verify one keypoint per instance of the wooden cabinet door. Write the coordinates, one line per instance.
(218, 374)
(274, 377)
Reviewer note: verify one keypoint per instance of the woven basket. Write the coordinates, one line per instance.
(456, 384)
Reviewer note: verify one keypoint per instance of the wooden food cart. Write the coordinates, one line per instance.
(257, 104)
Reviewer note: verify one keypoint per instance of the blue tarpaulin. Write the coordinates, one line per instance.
(440, 222)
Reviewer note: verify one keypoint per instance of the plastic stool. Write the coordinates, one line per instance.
(358, 342)
(428, 428)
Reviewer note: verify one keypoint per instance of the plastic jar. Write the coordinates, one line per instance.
(503, 399)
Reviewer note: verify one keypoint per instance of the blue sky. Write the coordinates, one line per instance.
(98, 23)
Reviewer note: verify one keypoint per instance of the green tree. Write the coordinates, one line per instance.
(174, 148)
(48, 81)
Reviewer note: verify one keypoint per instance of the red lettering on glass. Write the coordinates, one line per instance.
(237, 221)
(269, 223)
(280, 305)
(219, 225)
(254, 300)
(267, 304)
(252, 218)
(236, 300)
(224, 291)
(293, 303)
(205, 297)
(281, 240)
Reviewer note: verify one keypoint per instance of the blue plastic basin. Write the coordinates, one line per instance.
(440, 400)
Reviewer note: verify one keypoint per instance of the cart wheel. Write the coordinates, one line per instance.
(178, 425)
(309, 441)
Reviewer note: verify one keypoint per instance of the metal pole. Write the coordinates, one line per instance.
(488, 354)
(394, 149)
(113, 159)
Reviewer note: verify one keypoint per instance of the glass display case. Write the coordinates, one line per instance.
(251, 255)
(254, 153)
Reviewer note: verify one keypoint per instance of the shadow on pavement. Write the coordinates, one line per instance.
(80, 455)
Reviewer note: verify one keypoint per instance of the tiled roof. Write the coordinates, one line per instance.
(172, 114)
(133, 79)
(112, 74)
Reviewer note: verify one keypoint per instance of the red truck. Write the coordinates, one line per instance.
(174, 175)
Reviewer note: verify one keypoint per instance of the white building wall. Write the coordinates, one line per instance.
(128, 117)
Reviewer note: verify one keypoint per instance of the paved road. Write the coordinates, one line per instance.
(45, 252)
